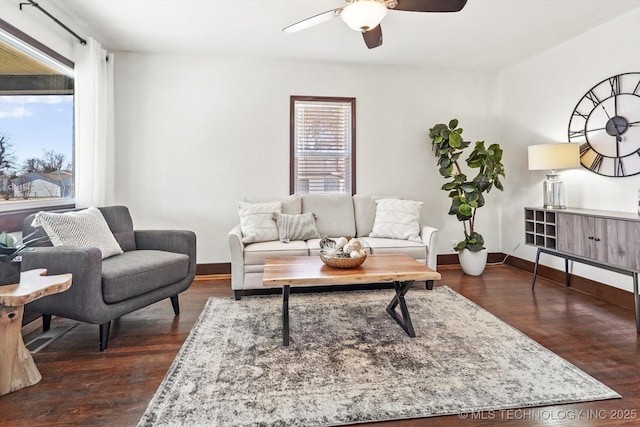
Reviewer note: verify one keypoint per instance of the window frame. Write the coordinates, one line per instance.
(11, 219)
(292, 138)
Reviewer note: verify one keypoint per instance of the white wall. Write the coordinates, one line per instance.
(538, 97)
(195, 135)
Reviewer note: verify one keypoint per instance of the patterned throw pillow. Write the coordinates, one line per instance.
(296, 227)
(256, 222)
(85, 228)
(397, 219)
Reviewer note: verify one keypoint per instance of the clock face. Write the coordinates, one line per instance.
(606, 124)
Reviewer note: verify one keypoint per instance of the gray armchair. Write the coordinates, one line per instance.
(156, 264)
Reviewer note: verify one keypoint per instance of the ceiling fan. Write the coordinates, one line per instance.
(365, 15)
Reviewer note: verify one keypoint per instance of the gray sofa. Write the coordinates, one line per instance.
(336, 215)
(155, 264)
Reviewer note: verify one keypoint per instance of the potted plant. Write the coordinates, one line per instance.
(10, 250)
(467, 195)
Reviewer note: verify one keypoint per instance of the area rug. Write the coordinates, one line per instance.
(349, 362)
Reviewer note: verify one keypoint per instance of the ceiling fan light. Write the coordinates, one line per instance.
(363, 15)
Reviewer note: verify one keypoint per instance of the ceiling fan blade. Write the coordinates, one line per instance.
(313, 20)
(373, 37)
(430, 5)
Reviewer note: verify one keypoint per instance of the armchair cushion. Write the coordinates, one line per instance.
(85, 228)
(121, 226)
(138, 272)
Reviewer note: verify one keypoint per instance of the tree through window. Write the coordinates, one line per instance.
(36, 123)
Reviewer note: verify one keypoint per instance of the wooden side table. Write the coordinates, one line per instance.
(17, 368)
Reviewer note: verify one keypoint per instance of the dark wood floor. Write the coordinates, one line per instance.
(82, 386)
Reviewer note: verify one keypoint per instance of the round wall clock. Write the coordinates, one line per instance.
(606, 124)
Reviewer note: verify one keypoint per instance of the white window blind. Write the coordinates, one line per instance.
(322, 145)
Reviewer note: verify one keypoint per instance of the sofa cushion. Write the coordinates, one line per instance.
(291, 205)
(295, 227)
(256, 253)
(85, 228)
(397, 219)
(138, 272)
(364, 208)
(256, 222)
(334, 213)
(380, 246)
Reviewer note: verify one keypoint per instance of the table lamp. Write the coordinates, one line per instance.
(552, 157)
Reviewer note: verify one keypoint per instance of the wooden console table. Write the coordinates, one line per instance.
(604, 239)
(17, 368)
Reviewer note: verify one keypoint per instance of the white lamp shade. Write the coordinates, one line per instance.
(554, 156)
(363, 15)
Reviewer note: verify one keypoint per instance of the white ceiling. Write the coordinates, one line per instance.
(487, 35)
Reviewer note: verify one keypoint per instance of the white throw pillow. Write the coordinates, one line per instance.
(86, 228)
(256, 222)
(397, 219)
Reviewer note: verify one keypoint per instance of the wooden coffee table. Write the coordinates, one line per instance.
(401, 270)
(17, 368)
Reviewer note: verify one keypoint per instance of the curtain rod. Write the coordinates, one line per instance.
(57, 21)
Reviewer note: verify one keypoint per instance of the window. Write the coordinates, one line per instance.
(323, 145)
(36, 124)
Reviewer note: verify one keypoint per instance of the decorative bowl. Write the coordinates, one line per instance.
(342, 262)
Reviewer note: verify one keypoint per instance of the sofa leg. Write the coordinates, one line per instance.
(104, 335)
(237, 295)
(175, 304)
(46, 322)
(429, 284)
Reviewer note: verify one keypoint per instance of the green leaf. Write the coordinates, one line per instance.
(455, 140)
(480, 200)
(468, 188)
(465, 209)
(446, 172)
(453, 123)
(460, 178)
(455, 205)
(473, 196)
(6, 239)
(450, 186)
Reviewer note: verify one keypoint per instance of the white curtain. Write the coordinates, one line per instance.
(94, 129)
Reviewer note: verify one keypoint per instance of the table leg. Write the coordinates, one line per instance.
(535, 269)
(17, 368)
(636, 300)
(398, 300)
(285, 315)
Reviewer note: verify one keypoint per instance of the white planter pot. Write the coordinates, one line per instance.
(473, 263)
